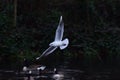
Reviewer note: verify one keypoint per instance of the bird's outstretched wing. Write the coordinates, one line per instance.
(47, 52)
(60, 30)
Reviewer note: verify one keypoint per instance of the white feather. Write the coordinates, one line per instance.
(58, 40)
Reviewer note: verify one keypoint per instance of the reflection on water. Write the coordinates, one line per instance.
(68, 73)
(63, 74)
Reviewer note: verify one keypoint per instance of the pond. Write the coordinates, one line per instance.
(69, 72)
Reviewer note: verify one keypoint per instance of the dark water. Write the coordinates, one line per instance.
(70, 72)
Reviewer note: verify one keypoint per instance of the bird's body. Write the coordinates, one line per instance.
(41, 68)
(58, 42)
(25, 68)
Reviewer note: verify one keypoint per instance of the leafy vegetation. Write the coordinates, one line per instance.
(91, 25)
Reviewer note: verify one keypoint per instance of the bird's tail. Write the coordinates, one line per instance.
(65, 43)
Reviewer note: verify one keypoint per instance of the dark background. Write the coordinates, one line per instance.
(28, 26)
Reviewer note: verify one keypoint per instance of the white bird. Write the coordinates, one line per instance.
(30, 72)
(41, 68)
(25, 69)
(58, 42)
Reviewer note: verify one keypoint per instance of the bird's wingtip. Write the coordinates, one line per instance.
(37, 58)
(60, 18)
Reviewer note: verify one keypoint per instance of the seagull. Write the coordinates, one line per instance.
(25, 69)
(41, 68)
(58, 42)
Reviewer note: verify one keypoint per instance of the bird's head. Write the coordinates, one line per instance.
(50, 44)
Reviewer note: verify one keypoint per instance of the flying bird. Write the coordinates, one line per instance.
(58, 42)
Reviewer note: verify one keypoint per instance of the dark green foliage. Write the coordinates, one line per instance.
(91, 25)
